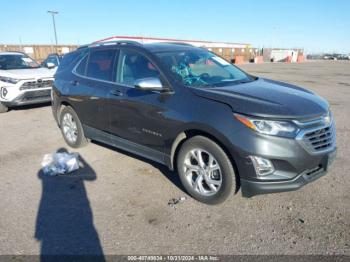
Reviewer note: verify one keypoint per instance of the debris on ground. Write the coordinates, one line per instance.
(174, 201)
(60, 163)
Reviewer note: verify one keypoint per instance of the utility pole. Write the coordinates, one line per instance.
(53, 13)
(20, 44)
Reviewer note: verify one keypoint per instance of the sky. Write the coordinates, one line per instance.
(315, 25)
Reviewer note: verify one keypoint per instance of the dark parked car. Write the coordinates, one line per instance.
(192, 111)
(52, 61)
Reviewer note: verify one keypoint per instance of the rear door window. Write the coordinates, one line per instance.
(101, 64)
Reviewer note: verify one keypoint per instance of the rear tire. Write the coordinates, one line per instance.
(71, 128)
(3, 108)
(205, 170)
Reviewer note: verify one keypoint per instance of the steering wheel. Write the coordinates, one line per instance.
(194, 79)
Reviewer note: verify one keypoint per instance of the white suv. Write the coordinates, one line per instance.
(23, 81)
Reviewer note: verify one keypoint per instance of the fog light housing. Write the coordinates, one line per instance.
(4, 92)
(262, 166)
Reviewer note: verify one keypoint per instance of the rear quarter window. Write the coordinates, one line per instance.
(81, 68)
(70, 59)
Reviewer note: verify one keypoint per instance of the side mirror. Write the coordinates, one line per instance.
(50, 65)
(149, 83)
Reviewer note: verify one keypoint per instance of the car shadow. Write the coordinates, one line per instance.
(64, 224)
(172, 176)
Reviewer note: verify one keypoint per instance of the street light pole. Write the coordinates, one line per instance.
(53, 13)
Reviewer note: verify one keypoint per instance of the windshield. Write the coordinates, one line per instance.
(17, 61)
(200, 68)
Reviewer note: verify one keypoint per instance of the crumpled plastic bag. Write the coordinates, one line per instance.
(60, 163)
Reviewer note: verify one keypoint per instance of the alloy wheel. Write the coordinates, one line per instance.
(70, 129)
(202, 172)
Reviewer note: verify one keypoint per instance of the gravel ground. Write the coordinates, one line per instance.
(118, 203)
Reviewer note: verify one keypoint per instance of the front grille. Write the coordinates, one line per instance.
(36, 95)
(319, 140)
(36, 84)
(313, 173)
(314, 170)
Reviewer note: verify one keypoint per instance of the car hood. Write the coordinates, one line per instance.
(268, 98)
(34, 73)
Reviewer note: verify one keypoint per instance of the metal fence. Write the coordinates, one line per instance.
(39, 52)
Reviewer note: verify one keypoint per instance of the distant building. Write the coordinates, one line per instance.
(281, 55)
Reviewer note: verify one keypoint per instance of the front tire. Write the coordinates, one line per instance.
(205, 170)
(3, 108)
(71, 128)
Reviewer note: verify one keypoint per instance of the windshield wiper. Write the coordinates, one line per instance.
(245, 81)
(226, 82)
(248, 80)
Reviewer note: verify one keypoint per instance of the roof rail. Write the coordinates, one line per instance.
(118, 42)
(82, 46)
(177, 43)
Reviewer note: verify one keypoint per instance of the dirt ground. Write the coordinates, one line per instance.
(118, 203)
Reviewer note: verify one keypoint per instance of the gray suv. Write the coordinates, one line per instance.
(182, 106)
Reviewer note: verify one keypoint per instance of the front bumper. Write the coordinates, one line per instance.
(251, 187)
(296, 162)
(29, 97)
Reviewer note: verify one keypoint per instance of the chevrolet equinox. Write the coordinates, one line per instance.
(189, 109)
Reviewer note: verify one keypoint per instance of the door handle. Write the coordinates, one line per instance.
(74, 82)
(116, 92)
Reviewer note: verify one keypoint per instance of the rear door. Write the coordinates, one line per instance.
(92, 80)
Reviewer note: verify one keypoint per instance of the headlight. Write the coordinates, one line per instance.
(9, 80)
(269, 127)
